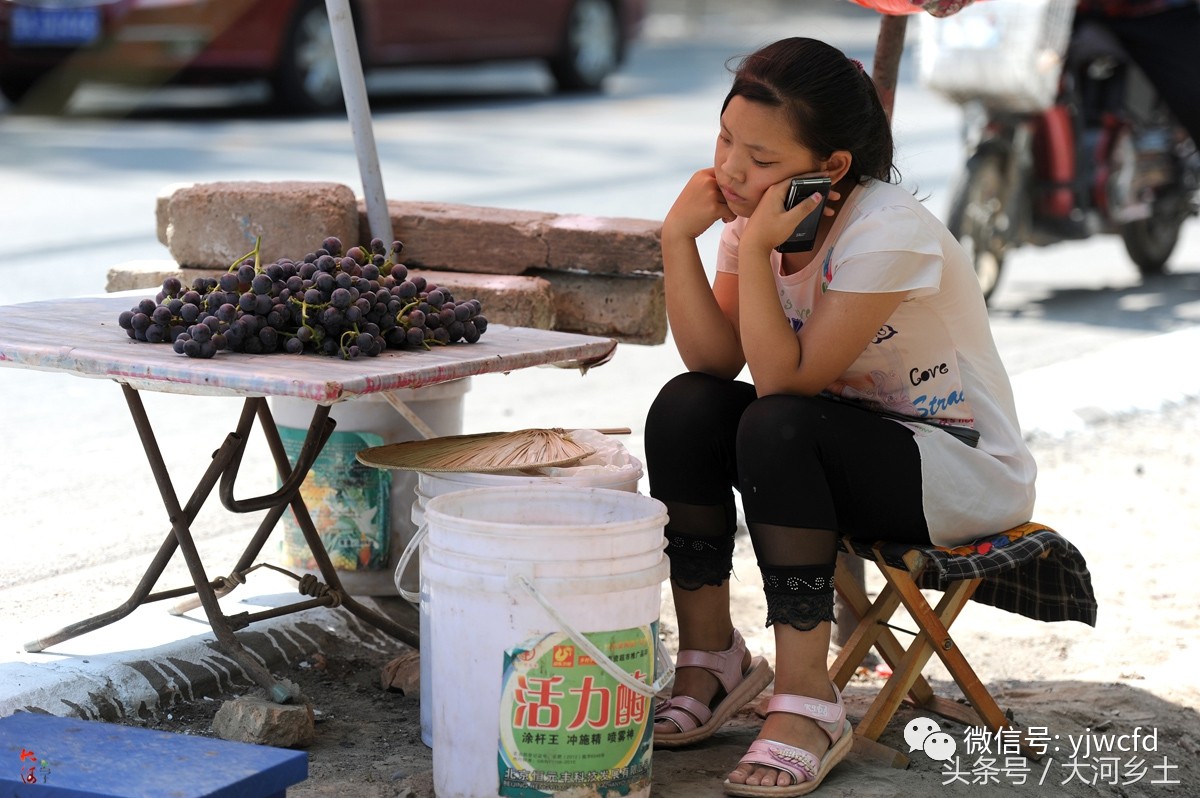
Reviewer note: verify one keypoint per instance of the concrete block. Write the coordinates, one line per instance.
(251, 719)
(507, 299)
(604, 245)
(480, 239)
(147, 274)
(209, 225)
(630, 309)
(162, 209)
(465, 237)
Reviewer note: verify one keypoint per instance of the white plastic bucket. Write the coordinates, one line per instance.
(611, 467)
(524, 664)
(362, 514)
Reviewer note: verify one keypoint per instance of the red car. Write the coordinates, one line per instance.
(48, 47)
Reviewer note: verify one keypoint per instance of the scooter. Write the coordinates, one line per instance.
(1106, 157)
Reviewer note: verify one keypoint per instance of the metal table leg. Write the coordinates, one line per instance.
(223, 469)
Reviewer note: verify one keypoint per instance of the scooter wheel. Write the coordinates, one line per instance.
(979, 219)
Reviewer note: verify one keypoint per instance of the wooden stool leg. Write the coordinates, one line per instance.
(871, 630)
(964, 675)
(933, 636)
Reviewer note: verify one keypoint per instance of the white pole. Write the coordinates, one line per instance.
(354, 90)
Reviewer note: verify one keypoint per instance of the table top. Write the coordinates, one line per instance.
(80, 336)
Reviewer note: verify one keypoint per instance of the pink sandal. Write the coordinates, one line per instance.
(696, 721)
(805, 768)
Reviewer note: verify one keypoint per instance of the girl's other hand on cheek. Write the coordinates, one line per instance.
(697, 207)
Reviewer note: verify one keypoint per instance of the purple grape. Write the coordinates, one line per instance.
(470, 331)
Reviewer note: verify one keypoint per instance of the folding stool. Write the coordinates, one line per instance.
(1030, 569)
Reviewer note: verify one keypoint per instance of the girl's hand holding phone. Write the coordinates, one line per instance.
(786, 218)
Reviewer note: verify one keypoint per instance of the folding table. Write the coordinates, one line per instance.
(80, 336)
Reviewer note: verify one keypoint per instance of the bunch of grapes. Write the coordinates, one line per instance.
(357, 303)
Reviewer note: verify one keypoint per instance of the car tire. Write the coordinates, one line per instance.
(306, 77)
(45, 93)
(591, 47)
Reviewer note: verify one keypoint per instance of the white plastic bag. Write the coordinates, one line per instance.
(1006, 54)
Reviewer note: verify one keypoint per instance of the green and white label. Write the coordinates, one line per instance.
(566, 724)
(347, 500)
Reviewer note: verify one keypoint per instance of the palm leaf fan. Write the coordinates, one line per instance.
(480, 453)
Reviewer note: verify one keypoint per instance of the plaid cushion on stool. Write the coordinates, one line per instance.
(1030, 570)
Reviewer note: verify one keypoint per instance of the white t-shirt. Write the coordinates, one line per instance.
(934, 359)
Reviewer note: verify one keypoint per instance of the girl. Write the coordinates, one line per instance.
(865, 354)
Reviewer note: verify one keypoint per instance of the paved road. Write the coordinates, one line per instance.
(81, 516)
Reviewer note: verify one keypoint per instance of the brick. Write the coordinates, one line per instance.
(480, 239)
(209, 225)
(465, 237)
(162, 209)
(604, 245)
(507, 299)
(146, 274)
(251, 719)
(630, 309)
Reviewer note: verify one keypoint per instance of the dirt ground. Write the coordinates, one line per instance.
(1123, 492)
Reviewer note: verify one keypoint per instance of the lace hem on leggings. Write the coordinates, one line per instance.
(698, 562)
(801, 611)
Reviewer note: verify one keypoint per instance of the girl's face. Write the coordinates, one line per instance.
(755, 150)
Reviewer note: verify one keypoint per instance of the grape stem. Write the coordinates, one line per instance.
(255, 253)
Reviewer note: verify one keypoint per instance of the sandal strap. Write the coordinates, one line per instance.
(829, 715)
(725, 665)
(799, 764)
(684, 711)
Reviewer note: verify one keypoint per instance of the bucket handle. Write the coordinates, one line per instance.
(402, 566)
(663, 661)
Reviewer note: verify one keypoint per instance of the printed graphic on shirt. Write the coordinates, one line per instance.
(885, 332)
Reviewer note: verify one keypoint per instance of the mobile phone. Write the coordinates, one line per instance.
(805, 234)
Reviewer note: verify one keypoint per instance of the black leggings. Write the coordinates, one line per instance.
(808, 470)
